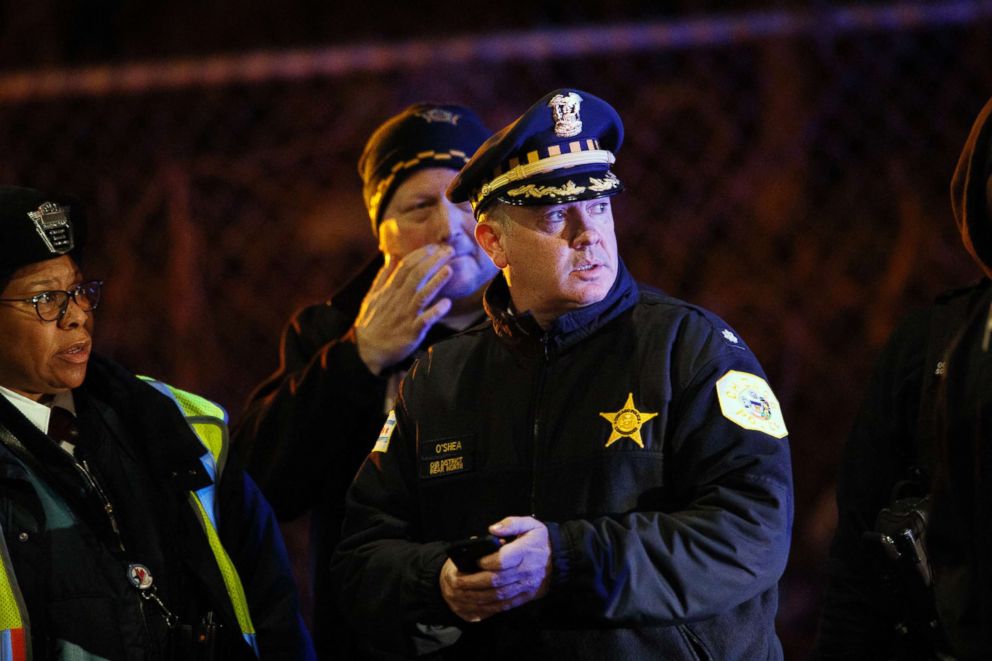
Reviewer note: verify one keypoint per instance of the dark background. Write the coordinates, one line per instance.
(786, 165)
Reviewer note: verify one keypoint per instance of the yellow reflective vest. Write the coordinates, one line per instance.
(209, 422)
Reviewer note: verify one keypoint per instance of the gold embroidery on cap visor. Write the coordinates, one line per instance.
(556, 161)
(568, 189)
(532, 190)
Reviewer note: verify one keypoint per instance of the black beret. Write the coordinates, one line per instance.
(425, 135)
(37, 226)
(560, 150)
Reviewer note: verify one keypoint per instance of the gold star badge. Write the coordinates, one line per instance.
(627, 422)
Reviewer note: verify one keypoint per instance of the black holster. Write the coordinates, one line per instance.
(899, 539)
(201, 642)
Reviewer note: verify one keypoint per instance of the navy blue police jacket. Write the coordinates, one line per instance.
(640, 430)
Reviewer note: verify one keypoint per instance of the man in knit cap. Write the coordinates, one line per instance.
(309, 426)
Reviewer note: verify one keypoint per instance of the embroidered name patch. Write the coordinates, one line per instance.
(445, 457)
(382, 443)
(748, 401)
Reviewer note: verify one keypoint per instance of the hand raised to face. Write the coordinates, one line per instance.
(402, 305)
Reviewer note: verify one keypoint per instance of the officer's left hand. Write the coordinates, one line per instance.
(522, 567)
(516, 574)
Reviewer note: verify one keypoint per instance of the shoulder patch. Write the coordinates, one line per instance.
(382, 443)
(748, 401)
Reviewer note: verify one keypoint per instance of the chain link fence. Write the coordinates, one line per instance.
(787, 170)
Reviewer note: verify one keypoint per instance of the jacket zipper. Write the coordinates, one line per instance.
(538, 392)
(108, 508)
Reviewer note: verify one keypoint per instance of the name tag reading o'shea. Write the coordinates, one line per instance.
(445, 457)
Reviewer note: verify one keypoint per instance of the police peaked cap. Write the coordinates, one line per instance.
(424, 135)
(37, 226)
(559, 151)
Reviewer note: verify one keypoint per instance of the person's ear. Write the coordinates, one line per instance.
(491, 237)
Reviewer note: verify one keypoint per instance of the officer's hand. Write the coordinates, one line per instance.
(400, 308)
(517, 573)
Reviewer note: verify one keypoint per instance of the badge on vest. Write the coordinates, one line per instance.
(748, 401)
(627, 422)
(445, 457)
(139, 576)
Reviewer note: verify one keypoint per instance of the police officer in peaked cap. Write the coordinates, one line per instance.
(617, 454)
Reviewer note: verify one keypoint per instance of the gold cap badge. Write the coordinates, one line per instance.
(565, 112)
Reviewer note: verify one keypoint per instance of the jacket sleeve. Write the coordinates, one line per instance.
(385, 581)
(858, 614)
(250, 534)
(722, 539)
(307, 426)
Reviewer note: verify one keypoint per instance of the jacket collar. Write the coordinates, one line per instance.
(145, 421)
(567, 329)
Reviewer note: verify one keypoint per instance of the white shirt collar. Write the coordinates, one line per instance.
(37, 412)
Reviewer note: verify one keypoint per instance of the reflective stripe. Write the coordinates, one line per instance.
(13, 615)
(207, 419)
(213, 434)
(231, 579)
(195, 405)
(209, 422)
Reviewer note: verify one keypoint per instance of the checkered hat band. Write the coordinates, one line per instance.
(549, 151)
(452, 155)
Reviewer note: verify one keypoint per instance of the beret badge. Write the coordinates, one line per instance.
(431, 115)
(52, 223)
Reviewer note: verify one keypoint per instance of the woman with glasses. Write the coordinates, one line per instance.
(124, 534)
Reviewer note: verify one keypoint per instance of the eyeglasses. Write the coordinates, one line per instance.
(52, 305)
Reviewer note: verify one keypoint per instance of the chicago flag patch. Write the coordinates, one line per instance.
(382, 443)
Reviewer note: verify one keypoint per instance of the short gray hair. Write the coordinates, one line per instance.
(496, 214)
